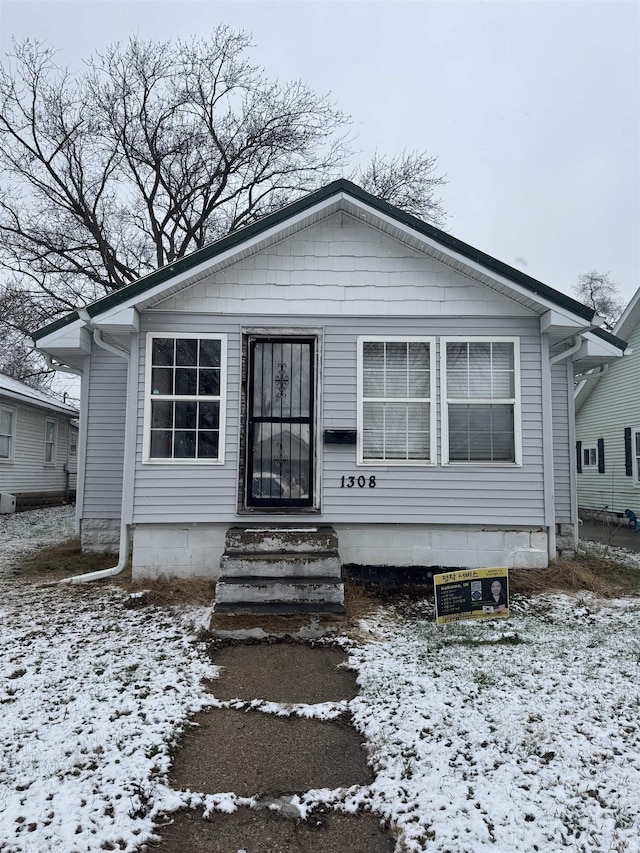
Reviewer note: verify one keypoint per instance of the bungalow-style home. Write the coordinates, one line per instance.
(608, 427)
(338, 369)
(38, 446)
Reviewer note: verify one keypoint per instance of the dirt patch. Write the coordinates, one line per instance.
(57, 562)
(266, 832)
(283, 672)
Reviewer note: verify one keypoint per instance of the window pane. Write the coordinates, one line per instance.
(480, 355)
(210, 353)
(50, 431)
(160, 444)
(373, 352)
(373, 383)
(184, 445)
(457, 383)
(209, 383)
(186, 414)
(186, 352)
(186, 382)
(457, 356)
(481, 433)
(209, 417)
(503, 383)
(5, 446)
(161, 414)
(396, 383)
(162, 380)
(502, 356)
(162, 351)
(6, 422)
(207, 445)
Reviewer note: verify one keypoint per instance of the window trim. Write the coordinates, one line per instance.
(54, 443)
(516, 401)
(147, 459)
(591, 448)
(13, 412)
(635, 457)
(433, 438)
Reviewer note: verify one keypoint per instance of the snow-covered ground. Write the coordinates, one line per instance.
(508, 737)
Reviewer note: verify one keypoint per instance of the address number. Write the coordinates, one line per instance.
(360, 482)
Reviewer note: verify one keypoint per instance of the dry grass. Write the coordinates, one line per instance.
(57, 562)
(583, 574)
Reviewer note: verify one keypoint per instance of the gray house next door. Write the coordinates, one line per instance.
(280, 423)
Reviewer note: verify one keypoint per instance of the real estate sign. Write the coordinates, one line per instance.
(471, 594)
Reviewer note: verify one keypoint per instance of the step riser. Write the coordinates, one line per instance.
(279, 540)
(285, 566)
(276, 592)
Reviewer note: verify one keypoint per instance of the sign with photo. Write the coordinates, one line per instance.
(471, 594)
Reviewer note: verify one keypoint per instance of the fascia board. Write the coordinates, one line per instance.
(119, 319)
(75, 337)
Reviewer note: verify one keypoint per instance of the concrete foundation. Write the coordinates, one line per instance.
(100, 535)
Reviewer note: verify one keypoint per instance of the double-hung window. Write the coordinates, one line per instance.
(396, 393)
(481, 400)
(635, 455)
(589, 456)
(50, 435)
(7, 433)
(185, 400)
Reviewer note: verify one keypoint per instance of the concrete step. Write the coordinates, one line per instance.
(302, 564)
(277, 608)
(320, 590)
(292, 539)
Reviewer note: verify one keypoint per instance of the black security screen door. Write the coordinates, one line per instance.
(280, 422)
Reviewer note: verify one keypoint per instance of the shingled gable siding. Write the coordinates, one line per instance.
(563, 448)
(455, 494)
(105, 436)
(27, 473)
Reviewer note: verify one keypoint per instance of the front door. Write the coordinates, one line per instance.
(280, 422)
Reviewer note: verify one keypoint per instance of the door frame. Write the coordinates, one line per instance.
(252, 333)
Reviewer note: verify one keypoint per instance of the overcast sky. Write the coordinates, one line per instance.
(531, 106)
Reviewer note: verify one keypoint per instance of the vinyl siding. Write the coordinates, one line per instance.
(27, 473)
(105, 436)
(452, 494)
(613, 405)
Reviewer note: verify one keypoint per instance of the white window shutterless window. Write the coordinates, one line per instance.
(185, 398)
(396, 400)
(480, 389)
(50, 431)
(635, 454)
(7, 433)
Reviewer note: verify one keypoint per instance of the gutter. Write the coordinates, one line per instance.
(123, 555)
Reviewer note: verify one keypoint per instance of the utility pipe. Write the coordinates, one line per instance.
(123, 554)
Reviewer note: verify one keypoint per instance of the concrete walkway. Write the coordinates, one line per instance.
(271, 758)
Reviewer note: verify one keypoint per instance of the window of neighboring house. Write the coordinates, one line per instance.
(50, 430)
(589, 456)
(396, 394)
(635, 446)
(7, 433)
(481, 400)
(185, 398)
(73, 443)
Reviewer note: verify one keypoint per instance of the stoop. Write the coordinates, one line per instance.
(280, 570)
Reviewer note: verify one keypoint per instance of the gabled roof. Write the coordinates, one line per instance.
(21, 393)
(340, 188)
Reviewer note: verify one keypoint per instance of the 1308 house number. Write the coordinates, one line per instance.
(360, 482)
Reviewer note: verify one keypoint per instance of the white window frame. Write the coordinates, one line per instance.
(635, 457)
(73, 442)
(11, 435)
(431, 341)
(221, 398)
(514, 401)
(592, 450)
(52, 444)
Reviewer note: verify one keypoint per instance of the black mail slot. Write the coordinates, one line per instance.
(340, 436)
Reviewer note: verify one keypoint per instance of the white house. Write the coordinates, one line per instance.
(338, 363)
(608, 426)
(38, 445)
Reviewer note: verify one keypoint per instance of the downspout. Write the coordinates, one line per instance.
(567, 352)
(123, 554)
(59, 367)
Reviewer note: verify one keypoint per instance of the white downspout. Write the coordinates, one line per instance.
(123, 555)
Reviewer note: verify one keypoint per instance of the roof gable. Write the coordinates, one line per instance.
(340, 194)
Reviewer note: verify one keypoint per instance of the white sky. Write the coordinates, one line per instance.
(532, 106)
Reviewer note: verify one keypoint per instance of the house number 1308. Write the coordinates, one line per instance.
(361, 482)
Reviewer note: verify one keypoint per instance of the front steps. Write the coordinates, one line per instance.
(280, 570)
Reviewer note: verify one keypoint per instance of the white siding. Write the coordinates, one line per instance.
(612, 406)
(105, 436)
(341, 266)
(27, 473)
(454, 494)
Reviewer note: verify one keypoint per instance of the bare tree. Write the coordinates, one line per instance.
(151, 151)
(600, 292)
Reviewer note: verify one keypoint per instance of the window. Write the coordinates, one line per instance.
(481, 400)
(396, 392)
(635, 445)
(73, 443)
(184, 415)
(589, 456)
(50, 430)
(7, 433)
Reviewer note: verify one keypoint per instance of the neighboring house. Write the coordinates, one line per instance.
(608, 427)
(38, 445)
(337, 363)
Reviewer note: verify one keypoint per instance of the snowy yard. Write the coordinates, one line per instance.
(508, 737)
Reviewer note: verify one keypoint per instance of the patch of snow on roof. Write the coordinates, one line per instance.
(18, 390)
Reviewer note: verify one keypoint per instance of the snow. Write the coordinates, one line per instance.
(504, 736)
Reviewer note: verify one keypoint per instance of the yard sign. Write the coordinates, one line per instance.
(471, 594)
